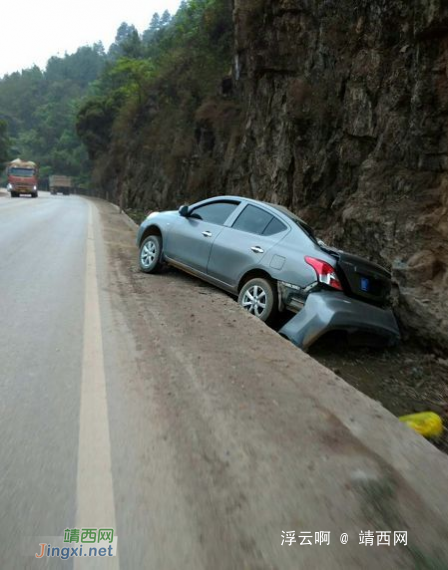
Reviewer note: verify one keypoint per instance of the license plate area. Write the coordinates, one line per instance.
(372, 287)
(365, 284)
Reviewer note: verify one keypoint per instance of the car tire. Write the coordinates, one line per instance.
(34, 195)
(150, 254)
(259, 297)
(14, 195)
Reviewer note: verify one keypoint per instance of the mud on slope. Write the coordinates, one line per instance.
(406, 379)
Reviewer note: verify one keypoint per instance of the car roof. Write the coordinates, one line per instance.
(276, 209)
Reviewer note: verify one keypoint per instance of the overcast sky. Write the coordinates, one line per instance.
(35, 30)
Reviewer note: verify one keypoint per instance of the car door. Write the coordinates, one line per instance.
(244, 246)
(190, 240)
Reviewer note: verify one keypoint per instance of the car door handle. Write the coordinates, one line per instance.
(257, 249)
(207, 234)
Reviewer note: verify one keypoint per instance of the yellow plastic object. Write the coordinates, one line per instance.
(428, 424)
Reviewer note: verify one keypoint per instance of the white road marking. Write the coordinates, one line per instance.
(95, 496)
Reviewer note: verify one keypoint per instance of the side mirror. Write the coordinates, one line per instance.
(183, 211)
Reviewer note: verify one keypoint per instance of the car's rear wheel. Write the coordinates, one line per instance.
(150, 254)
(259, 297)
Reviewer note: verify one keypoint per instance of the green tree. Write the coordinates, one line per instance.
(165, 19)
(154, 26)
(4, 143)
(95, 120)
(127, 43)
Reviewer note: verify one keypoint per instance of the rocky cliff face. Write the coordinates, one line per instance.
(337, 109)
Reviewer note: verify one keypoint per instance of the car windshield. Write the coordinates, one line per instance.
(22, 172)
(298, 221)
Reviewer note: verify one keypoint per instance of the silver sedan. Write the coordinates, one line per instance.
(271, 260)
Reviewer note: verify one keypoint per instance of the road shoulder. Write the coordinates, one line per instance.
(259, 437)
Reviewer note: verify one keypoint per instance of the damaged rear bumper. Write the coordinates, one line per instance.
(327, 311)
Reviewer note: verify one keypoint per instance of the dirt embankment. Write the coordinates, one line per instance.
(405, 379)
(257, 434)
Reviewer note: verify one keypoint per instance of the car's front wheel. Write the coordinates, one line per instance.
(259, 297)
(150, 254)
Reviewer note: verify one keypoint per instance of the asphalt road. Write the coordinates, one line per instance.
(155, 406)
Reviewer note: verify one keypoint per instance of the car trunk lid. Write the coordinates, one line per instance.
(362, 278)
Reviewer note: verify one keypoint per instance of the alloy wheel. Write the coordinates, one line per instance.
(255, 300)
(148, 254)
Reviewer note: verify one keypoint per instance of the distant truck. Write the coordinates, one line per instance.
(22, 178)
(58, 183)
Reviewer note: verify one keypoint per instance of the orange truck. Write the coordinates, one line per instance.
(22, 178)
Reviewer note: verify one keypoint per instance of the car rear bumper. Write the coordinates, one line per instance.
(327, 311)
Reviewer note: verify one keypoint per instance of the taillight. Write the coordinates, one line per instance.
(325, 272)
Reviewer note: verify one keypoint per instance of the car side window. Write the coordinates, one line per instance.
(253, 220)
(275, 226)
(215, 213)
